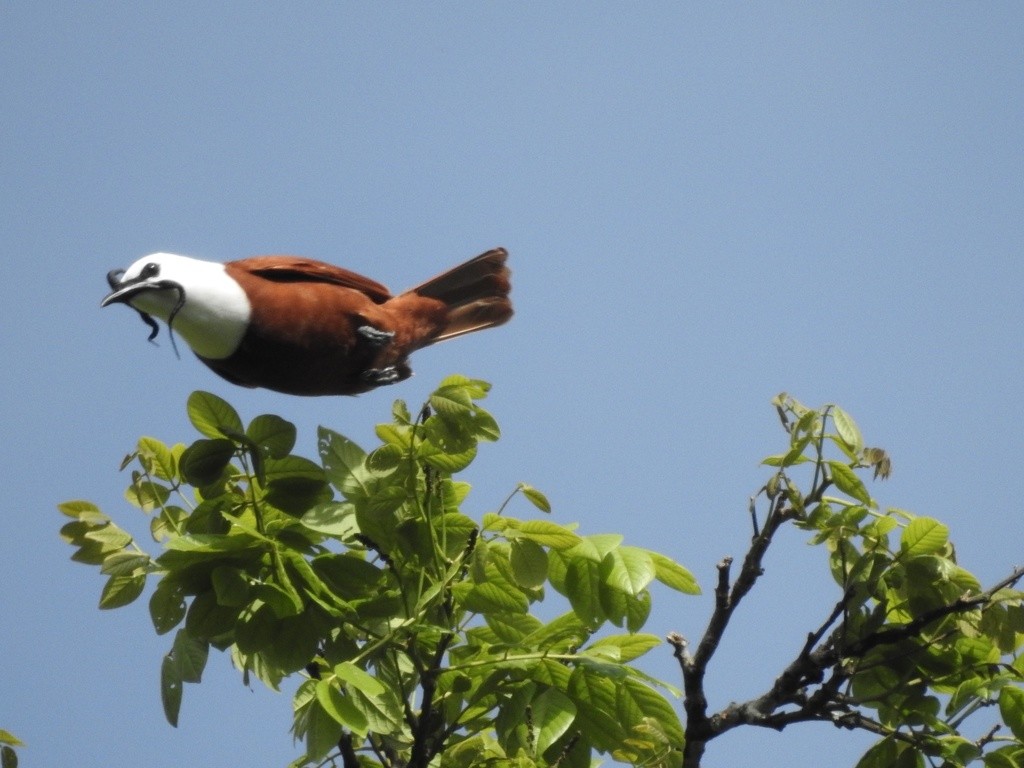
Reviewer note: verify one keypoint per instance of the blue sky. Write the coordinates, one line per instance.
(705, 204)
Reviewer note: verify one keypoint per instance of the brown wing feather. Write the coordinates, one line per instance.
(292, 269)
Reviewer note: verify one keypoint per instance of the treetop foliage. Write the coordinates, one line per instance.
(410, 622)
(413, 626)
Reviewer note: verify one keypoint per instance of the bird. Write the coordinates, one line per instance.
(305, 327)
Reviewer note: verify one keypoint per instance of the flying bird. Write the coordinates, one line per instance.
(304, 327)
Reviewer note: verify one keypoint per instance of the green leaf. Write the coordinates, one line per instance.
(6, 737)
(358, 678)
(1011, 756)
(628, 569)
(924, 536)
(172, 520)
(295, 484)
(529, 563)
(484, 426)
(447, 457)
(348, 576)
(336, 519)
(146, 494)
(548, 534)
(206, 619)
(342, 459)
(614, 603)
(110, 537)
(846, 480)
(475, 388)
(294, 467)
(282, 597)
(273, 434)
(322, 736)
(204, 461)
(512, 627)
(792, 457)
(384, 458)
(562, 633)
(157, 458)
(635, 700)
(398, 436)
(125, 564)
(450, 463)
(552, 713)
(847, 429)
(122, 590)
(170, 689)
(212, 416)
(341, 707)
(582, 587)
(184, 663)
(231, 586)
(83, 510)
(400, 412)
(638, 608)
(255, 629)
(535, 497)
(486, 598)
(383, 712)
(595, 698)
(166, 606)
(190, 654)
(8, 757)
(673, 575)
(626, 647)
(452, 401)
(1011, 708)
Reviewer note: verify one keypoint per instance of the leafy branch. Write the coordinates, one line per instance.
(911, 624)
(409, 622)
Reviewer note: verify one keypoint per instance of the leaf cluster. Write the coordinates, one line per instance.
(411, 624)
(916, 646)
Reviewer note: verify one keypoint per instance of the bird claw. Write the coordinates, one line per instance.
(380, 376)
(375, 336)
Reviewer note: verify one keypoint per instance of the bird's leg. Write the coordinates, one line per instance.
(388, 374)
(375, 336)
(381, 376)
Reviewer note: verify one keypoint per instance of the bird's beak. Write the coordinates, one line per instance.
(123, 291)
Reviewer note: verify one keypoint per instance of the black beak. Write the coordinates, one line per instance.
(123, 291)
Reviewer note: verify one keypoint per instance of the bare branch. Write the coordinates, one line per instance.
(698, 728)
(348, 752)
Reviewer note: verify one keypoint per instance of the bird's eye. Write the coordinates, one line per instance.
(152, 269)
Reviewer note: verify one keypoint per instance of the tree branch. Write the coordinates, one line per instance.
(426, 741)
(913, 628)
(809, 668)
(349, 759)
(698, 727)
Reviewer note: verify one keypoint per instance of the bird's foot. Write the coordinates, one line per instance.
(375, 336)
(381, 376)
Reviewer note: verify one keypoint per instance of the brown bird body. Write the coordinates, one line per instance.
(305, 327)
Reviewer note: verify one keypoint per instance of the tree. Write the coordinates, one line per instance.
(413, 629)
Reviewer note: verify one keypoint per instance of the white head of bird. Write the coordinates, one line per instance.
(196, 298)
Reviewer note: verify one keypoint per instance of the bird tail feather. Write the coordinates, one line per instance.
(475, 293)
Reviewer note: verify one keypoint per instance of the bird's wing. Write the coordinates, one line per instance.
(292, 269)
